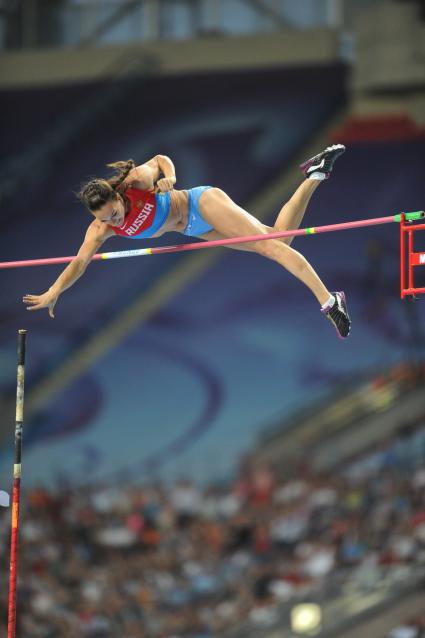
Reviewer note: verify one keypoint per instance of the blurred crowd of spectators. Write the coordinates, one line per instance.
(180, 562)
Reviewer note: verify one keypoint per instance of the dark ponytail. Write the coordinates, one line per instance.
(98, 192)
(122, 169)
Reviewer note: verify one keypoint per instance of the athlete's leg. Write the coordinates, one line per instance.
(292, 213)
(315, 170)
(289, 218)
(230, 220)
(214, 235)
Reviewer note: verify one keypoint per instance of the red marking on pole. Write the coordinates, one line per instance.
(15, 514)
(11, 626)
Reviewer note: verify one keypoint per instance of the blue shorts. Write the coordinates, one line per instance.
(196, 224)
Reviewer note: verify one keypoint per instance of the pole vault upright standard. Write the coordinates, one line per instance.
(11, 625)
(409, 259)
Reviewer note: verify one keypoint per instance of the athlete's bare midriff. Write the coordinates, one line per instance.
(177, 217)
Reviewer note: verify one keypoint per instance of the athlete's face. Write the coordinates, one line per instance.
(112, 213)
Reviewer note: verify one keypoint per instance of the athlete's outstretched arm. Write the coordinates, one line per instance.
(95, 236)
(147, 174)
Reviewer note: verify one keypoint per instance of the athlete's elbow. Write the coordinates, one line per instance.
(162, 159)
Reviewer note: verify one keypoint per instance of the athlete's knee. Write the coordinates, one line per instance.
(268, 248)
(285, 240)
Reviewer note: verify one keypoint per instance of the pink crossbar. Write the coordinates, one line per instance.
(208, 244)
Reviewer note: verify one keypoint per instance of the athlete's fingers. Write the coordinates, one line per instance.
(30, 302)
(31, 298)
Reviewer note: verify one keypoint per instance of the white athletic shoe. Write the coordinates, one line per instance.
(323, 162)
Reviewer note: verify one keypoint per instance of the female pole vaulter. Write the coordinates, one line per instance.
(140, 201)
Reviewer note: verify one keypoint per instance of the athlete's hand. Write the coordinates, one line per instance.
(166, 184)
(37, 302)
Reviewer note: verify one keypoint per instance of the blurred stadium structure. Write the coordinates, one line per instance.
(202, 456)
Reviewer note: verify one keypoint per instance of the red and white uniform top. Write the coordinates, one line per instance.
(148, 212)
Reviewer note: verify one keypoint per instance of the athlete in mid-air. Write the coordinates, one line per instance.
(140, 201)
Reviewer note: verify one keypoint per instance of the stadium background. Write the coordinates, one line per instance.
(197, 408)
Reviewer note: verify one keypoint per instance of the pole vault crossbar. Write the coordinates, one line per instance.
(314, 230)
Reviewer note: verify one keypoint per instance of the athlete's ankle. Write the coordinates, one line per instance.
(328, 303)
(317, 176)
